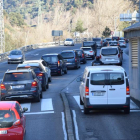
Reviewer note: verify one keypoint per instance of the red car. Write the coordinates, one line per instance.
(12, 121)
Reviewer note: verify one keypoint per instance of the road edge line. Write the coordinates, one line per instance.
(69, 122)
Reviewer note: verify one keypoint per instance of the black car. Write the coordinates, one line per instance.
(56, 63)
(38, 71)
(104, 43)
(81, 55)
(20, 84)
(98, 42)
(71, 58)
(90, 44)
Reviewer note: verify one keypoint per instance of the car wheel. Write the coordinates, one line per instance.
(121, 64)
(81, 102)
(93, 57)
(8, 62)
(86, 110)
(50, 79)
(44, 87)
(41, 94)
(38, 98)
(127, 110)
(60, 74)
(84, 62)
(66, 71)
(79, 66)
(47, 86)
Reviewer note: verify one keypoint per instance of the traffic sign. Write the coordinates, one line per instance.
(112, 32)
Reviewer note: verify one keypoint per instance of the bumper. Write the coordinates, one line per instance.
(71, 65)
(116, 106)
(19, 95)
(111, 62)
(90, 56)
(82, 59)
(66, 44)
(55, 70)
(14, 61)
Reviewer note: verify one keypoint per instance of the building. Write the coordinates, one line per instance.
(133, 34)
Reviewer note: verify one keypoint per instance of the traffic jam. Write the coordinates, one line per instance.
(103, 85)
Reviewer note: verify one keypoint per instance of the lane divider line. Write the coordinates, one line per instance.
(38, 113)
(75, 125)
(64, 126)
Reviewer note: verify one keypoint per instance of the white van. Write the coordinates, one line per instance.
(111, 55)
(104, 87)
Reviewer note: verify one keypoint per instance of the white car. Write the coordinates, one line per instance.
(122, 43)
(44, 66)
(111, 55)
(69, 42)
(104, 87)
(89, 52)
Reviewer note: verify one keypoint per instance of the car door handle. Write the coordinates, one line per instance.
(112, 89)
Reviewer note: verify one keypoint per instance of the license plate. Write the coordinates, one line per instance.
(19, 86)
(3, 132)
(109, 59)
(97, 94)
(69, 63)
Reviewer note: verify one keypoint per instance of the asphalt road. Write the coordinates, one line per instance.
(45, 120)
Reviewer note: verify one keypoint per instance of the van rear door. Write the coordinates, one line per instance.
(116, 88)
(98, 89)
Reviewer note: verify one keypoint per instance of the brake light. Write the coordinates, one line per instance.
(108, 44)
(123, 42)
(27, 66)
(127, 90)
(34, 84)
(75, 59)
(91, 51)
(118, 55)
(101, 42)
(82, 55)
(118, 44)
(40, 74)
(17, 122)
(2, 86)
(86, 91)
(100, 56)
(58, 63)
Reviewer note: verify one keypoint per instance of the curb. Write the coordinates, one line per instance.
(69, 122)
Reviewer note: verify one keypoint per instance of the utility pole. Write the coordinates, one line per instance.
(39, 13)
(2, 36)
(139, 10)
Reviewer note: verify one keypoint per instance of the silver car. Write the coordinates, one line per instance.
(16, 56)
(69, 42)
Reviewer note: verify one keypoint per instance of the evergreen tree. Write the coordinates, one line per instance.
(106, 32)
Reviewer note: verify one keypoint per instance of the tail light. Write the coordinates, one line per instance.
(40, 74)
(86, 91)
(127, 90)
(75, 59)
(17, 122)
(91, 51)
(101, 42)
(82, 55)
(118, 55)
(100, 56)
(108, 44)
(58, 63)
(118, 44)
(2, 86)
(34, 84)
(123, 42)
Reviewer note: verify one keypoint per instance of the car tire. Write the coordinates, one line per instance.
(38, 98)
(50, 79)
(44, 87)
(66, 71)
(86, 110)
(93, 57)
(84, 62)
(81, 102)
(60, 74)
(41, 95)
(8, 62)
(121, 64)
(47, 86)
(127, 110)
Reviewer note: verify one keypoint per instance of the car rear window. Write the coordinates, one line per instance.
(109, 51)
(17, 76)
(86, 49)
(96, 39)
(67, 55)
(15, 53)
(116, 78)
(32, 67)
(79, 52)
(108, 39)
(50, 59)
(85, 44)
(97, 79)
(68, 39)
(7, 118)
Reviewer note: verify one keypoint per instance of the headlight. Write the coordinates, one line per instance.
(9, 58)
(20, 58)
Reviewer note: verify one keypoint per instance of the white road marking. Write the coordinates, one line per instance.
(27, 105)
(75, 125)
(77, 98)
(134, 110)
(133, 106)
(64, 126)
(38, 113)
(46, 104)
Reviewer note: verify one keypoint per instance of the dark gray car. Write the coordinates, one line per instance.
(21, 85)
(98, 42)
(71, 58)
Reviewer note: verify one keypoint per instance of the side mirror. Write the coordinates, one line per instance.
(24, 109)
(79, 79)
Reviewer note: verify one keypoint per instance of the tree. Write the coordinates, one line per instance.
(123, 25)
(106, 32)
(79, 27)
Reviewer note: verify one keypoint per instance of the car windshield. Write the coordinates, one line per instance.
(67, 55)
(15, 53)
(96, 39)
(85, 44)
(50, 59)
(17, 76)
(32, 67)
(7, 118)
(79, 52)
(86, 49)
(109, 51)
(68, 39)
(108, 39)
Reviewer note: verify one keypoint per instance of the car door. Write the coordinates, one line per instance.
(78, 58)
(98, 89)
(63, 62)
(46, 69)
(116, 88)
